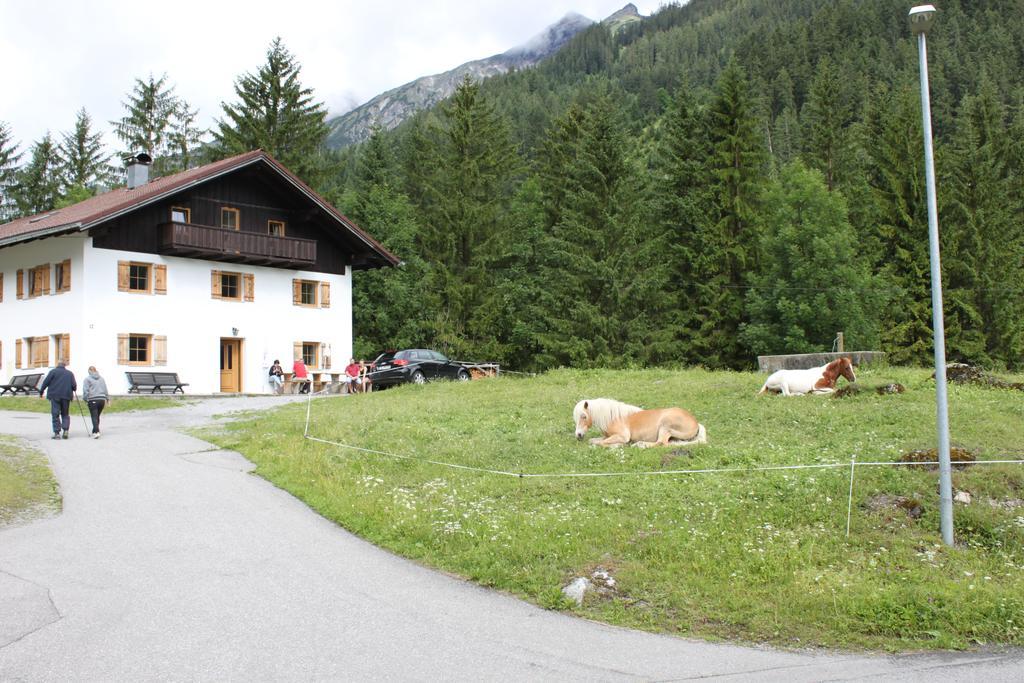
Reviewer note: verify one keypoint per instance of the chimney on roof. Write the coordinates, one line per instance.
(138, 170)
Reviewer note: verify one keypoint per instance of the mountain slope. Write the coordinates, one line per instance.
(390, 108)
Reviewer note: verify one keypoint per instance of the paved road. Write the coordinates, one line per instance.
(172, 562)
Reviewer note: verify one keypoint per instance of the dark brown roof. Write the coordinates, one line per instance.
(90, 212)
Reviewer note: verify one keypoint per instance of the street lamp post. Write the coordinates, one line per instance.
(921, 19)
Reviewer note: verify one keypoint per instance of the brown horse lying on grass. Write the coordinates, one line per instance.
(622, 423)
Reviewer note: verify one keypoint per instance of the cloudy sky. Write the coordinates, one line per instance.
(61, 55)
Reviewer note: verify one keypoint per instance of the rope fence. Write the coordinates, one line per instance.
(853, 465)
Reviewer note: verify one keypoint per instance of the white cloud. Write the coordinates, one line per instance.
(61, 55)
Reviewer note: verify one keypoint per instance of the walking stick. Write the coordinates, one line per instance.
(81, 412)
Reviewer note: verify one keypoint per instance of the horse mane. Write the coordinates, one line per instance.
(604, 411)
(830, 373)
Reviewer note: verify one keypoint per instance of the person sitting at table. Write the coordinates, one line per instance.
(364, 375)
(299, 374)
(351, 376)
(276, 377)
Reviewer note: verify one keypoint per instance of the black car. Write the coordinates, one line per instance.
(414, 365)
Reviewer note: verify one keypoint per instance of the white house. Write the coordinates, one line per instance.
(212, 273)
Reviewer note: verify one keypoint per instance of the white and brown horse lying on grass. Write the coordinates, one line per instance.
(622, 423)
(821, 380)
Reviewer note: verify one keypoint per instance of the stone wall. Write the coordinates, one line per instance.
(800, 361)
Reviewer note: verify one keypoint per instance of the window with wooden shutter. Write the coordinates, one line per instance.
(122, 275)
(40, 351)
(159, 350)
(159, 279)
(62, 346)
(45, 270)
(1, 355)
(226, 286)
(17, 351)
(140, 349)
(20, 284)
(122, 349)
(296, 292)
(1, 287)
(311, 354)
(308, 292)
(62, 276)
(250, 286)
(297, 350)
(325, 295)
(140, 277)
(39, 281)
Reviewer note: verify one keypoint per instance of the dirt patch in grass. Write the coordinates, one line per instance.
(957, 456)
(886, 503)
(961, 373)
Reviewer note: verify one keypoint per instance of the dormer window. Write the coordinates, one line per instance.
(229, 218)
(181, 215)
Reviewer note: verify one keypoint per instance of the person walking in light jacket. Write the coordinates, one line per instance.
(94, 391)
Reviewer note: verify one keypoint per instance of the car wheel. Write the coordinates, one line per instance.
(463, 376)
(418, 378)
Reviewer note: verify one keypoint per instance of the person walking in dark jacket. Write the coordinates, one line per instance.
(94, 391)
(60, 386)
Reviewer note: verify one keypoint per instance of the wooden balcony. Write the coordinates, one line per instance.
(235, 246)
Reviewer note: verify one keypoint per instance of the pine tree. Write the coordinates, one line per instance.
(276, 114)
(83, 162)
(147, 125)
(470, 194)
(982, 240)
(9, 157)
(826, 116)
(682, 204)
(391, 308)
(897, 180)
(515, 308)
(184, 139)
(729, 250)
(37, 187)
(582, 262)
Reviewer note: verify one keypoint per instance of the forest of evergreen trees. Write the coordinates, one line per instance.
(725, 179)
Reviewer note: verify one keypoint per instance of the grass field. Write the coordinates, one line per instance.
(34, 404)
(750, 556)
(27, 486)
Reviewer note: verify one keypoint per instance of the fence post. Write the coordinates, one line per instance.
(839, 342)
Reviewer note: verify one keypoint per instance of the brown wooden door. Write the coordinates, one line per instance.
(231, 365)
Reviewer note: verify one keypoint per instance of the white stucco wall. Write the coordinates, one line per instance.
(194, 322)
(45, 315)
(94, 312)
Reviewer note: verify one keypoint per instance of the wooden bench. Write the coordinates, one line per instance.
(22, 384)
(157, 380)
(292, 385)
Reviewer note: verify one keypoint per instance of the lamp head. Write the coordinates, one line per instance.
(921, 19)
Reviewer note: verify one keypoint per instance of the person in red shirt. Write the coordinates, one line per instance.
(299, 374)
(352, 375)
